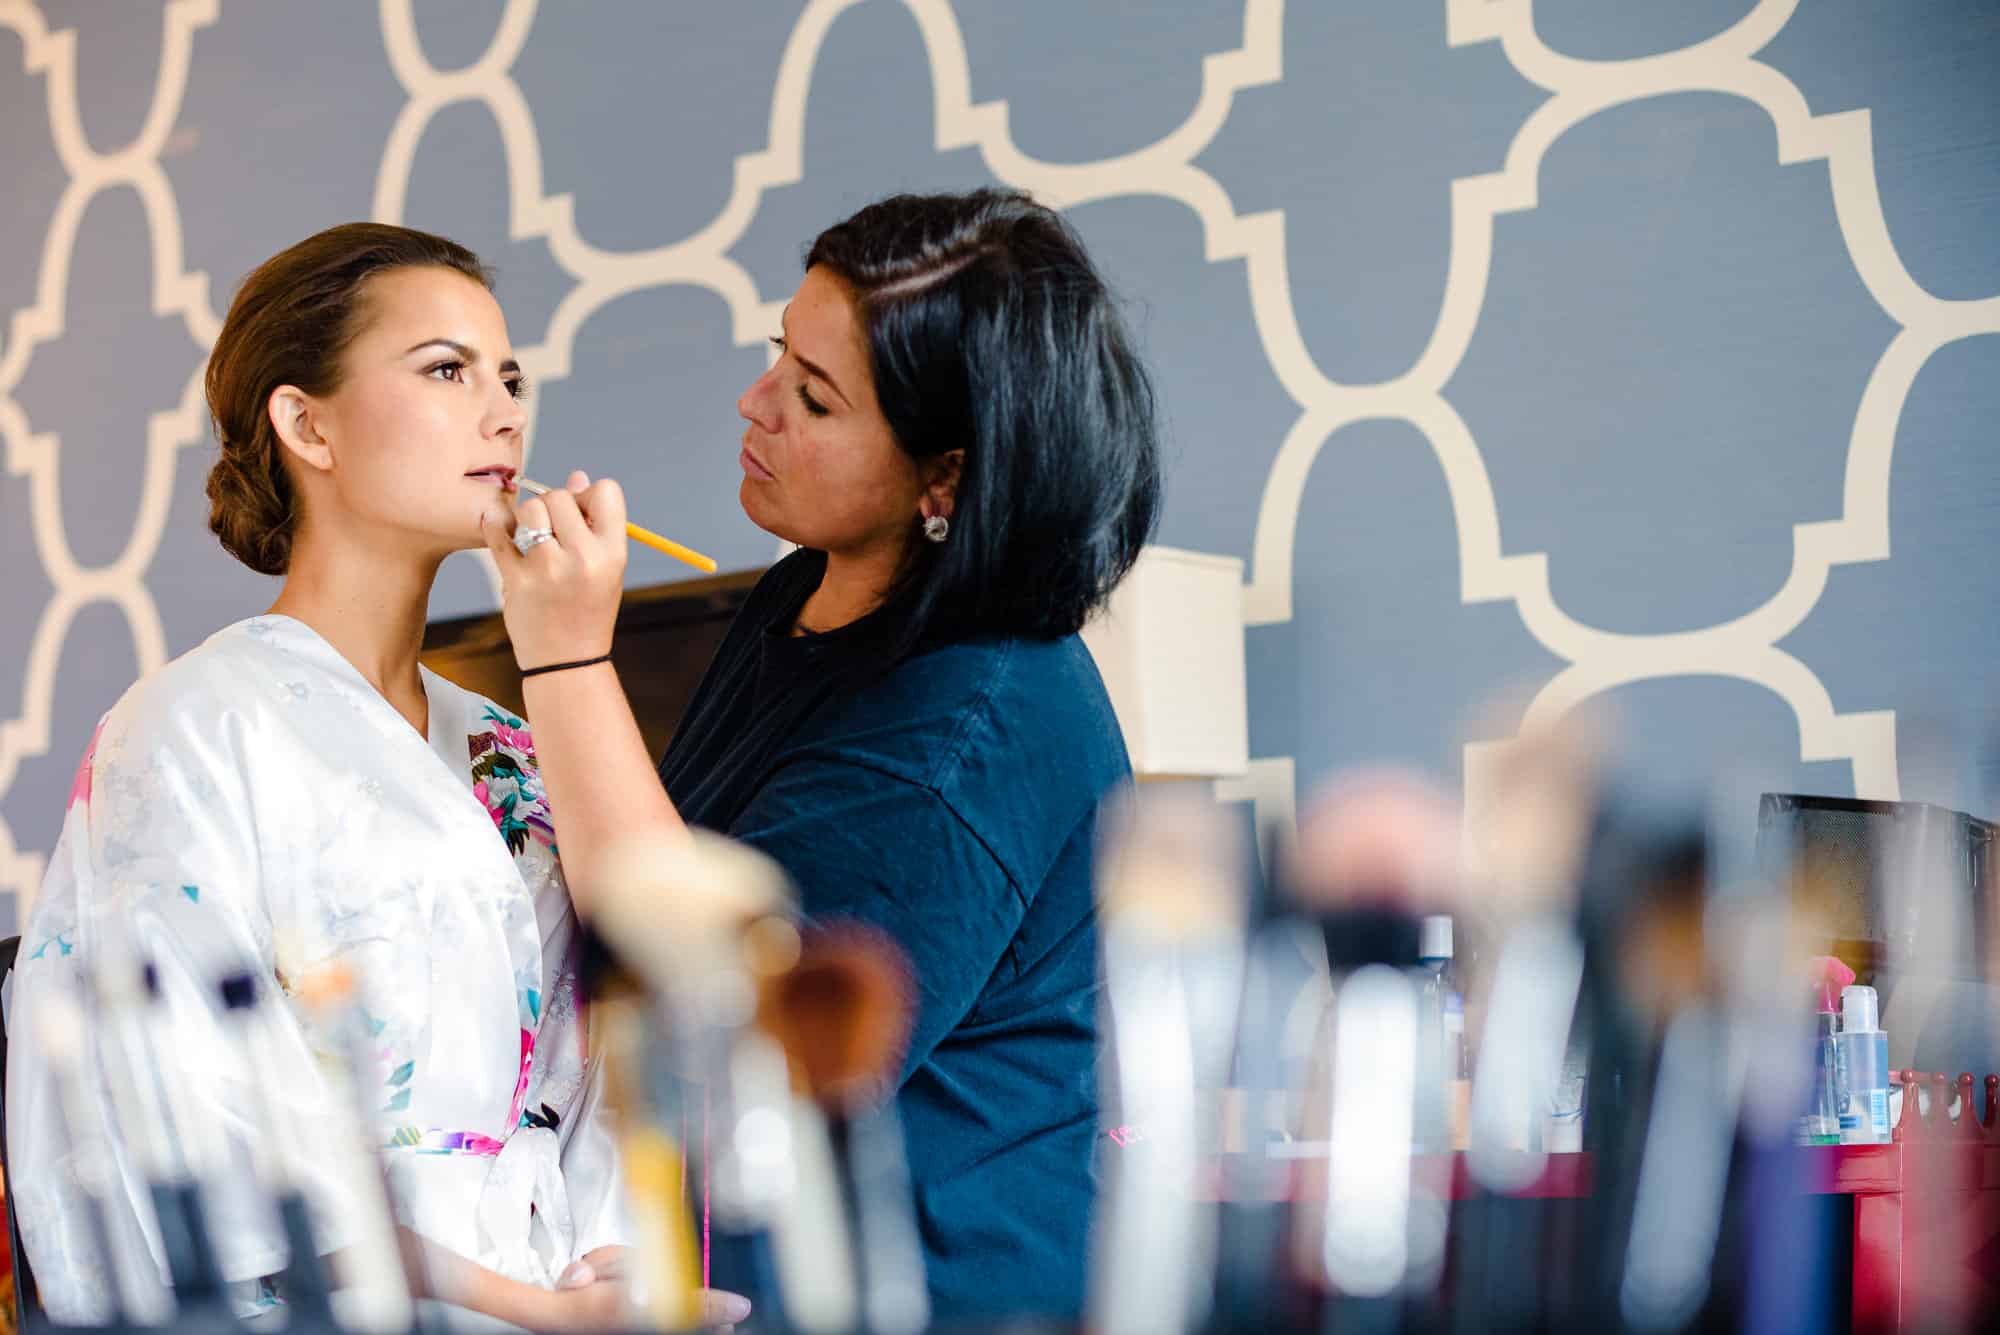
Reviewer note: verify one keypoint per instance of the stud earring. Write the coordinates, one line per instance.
(936, 527)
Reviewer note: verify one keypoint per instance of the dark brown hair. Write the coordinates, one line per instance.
(290, 322)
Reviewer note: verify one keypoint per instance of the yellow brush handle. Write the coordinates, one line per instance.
(670, 547)
(637, 534)
(667, 1245)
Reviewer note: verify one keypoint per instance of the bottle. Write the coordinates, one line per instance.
(1819, 1119)
(1457, 1072)
(1821, 1123)
(1863, 1077)
(1440, 1035)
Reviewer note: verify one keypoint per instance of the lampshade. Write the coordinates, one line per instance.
(1170, 649)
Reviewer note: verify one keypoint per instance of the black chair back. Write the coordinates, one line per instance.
(27, 1302)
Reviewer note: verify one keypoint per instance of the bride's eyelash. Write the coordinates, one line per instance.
(517, 386)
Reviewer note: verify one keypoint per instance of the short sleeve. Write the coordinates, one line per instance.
(868, 846)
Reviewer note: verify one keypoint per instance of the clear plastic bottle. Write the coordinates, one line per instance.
(1441, 1058)
(1821, 1124)
(1863, 1087)
(1457, 1068)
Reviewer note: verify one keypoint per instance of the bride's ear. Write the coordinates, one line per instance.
(296, 418)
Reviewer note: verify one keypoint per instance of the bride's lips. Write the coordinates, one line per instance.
(500, 473)
(754, 466)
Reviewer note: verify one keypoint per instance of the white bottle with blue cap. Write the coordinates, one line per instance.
(1864, 1069)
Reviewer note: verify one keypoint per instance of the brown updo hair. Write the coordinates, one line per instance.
(290, 322)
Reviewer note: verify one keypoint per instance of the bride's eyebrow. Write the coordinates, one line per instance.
(465, 352)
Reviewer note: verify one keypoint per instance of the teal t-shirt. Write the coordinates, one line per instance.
(952, 802)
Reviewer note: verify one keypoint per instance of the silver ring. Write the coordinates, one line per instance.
(527, 539)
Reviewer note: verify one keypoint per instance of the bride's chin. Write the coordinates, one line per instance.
(451, 543)
(470, 536)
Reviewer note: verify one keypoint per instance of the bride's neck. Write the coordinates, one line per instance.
(370, 606)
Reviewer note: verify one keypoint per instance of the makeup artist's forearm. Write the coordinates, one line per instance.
(601, 780)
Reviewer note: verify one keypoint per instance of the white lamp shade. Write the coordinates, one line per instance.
(1169, 646)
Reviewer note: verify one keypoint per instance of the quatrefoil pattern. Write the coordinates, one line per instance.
(1592, 350)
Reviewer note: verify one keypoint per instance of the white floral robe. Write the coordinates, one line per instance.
(257, 801)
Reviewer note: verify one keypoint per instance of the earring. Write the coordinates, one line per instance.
(936, 527)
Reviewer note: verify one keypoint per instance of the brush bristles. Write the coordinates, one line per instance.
(674, 908)
(1383, 839)
(1526, 840)
(1170, 867)
(842, 1014)
(326, 988)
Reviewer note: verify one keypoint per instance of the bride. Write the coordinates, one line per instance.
(298, 792)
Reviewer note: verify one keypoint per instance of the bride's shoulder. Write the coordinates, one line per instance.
(223, 680)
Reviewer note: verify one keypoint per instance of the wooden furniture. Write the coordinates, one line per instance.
(664, 639)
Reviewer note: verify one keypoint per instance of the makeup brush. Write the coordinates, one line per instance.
(307, 1290)
(695, 919)
(638, 534)
(668, 1278)
(1253, 1208)
(59, 1024)
(1668, 1067)
(375, 1272)
(1376, 852)
(1171, 907)
(1529, 834)
(842, 1015)
(676, 909)
(127, 995)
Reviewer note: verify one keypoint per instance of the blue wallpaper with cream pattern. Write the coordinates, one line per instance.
(1585, 351)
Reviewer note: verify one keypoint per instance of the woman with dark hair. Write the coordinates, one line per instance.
(957, 434)
(297, 795)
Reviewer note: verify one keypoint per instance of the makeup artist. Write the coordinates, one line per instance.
(959, 438)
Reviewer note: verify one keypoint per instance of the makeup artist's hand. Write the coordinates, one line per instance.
(561, 599)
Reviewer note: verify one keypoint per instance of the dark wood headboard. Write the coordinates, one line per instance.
(665, 637)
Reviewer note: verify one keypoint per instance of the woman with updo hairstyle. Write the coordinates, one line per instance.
(960, 439)
(289, 324)
(297, 799)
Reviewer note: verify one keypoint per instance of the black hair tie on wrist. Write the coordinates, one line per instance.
(561, 667)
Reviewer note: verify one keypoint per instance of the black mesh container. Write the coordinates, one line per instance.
(1902, 885)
